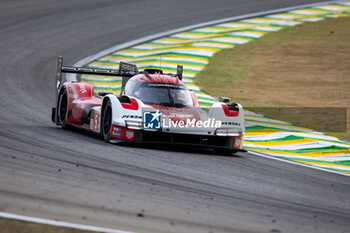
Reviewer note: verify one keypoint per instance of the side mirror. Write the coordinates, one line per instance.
(224, 99)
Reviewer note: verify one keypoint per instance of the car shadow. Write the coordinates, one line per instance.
(177, 148)
(152, 146)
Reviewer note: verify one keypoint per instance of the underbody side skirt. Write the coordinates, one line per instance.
(207, 141)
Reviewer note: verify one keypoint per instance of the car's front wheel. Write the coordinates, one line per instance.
(107, 122)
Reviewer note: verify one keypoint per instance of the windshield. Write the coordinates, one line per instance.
(166, 96)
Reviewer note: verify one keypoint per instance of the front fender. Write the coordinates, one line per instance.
(219, 112)
(122, 110)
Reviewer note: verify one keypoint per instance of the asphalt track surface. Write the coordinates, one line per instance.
(75, 176)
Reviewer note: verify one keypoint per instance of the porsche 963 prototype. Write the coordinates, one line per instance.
(153, 107)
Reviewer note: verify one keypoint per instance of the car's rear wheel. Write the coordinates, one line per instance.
(62, 112)
(107, 122)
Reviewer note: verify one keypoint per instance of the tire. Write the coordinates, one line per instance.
(106, 123)
(62, 110)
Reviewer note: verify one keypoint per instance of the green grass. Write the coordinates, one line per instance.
(15, 226)
(294, 69)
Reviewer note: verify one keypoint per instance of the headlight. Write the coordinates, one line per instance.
(134, 124)
(228, 132)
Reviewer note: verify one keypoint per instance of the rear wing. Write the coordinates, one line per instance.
(126, 70)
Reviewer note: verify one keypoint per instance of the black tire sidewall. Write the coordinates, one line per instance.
(62, 122)
(106, 135)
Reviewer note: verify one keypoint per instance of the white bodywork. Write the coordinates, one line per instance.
(133, 119)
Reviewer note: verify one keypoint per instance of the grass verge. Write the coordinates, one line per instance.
(286, 72)
(15, 226)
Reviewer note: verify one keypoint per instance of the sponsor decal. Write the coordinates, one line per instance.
(117, 131)
(151, 119)
(82, 88)
(165, 85)
(231, 123)
(238, 142)
(117, 134)
(129, 134)
(96, 121)
(131, 117)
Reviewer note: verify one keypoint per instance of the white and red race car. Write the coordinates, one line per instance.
(152, 107)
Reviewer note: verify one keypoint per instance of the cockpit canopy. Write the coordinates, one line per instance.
(171, 93)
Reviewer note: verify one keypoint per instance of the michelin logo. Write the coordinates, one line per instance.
(151, 120)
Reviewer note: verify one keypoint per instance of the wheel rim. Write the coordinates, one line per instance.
(107, 120)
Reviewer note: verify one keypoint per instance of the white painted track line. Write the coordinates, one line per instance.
(59, 223)
(297, 163)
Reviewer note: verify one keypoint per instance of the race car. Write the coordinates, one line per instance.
(153, 107)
